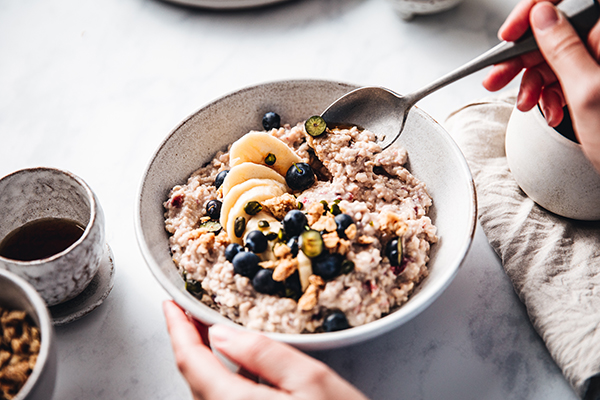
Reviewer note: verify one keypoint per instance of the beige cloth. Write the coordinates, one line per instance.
(553, 262)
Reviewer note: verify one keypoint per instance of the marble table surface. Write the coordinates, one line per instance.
(94, 86)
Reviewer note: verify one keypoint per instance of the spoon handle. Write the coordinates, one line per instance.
(582, 14)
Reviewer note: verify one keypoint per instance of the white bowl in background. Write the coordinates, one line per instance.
(409, 8)
(551, 169)
(433, 157)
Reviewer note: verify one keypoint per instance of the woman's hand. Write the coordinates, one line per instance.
(564, 71)
(292, 374)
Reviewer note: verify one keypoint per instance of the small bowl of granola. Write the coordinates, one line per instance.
(253, 211)
(28, 360)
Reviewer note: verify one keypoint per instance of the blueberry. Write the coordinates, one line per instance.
(328, 265)
(220, 178)
(300, 176)
(231, 250)
(293, 245)
(270, 121)
(393, 251)
(263, 282)
(294, 223)
(213, 209)
(343, 221)
(245, 263)
(293, 287)
(335, 321)
(256, 241)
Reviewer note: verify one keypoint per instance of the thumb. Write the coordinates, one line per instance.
(562, 48)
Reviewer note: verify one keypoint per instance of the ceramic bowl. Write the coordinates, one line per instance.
(34, 193)
(434, 158)
(551, 169)
(409, 8)
(226, 4)
(17, 294)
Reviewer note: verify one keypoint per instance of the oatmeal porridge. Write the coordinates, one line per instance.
(302, 229)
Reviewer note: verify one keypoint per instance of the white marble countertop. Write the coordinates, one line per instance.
(94, 86)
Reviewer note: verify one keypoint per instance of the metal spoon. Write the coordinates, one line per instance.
(384, 112)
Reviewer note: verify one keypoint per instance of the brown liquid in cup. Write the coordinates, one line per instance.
(40, 239)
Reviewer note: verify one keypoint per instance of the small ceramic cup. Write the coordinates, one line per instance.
(17, 294)
(550, 168)
(31, 194)
(409, 8)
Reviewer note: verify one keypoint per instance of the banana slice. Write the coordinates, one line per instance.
(246, 171)
(273, 227)
(256, 146)
(238, 190)
(257, 193)
(304, 269)
(252, 224)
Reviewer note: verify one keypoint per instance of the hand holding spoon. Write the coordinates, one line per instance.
(384, 112)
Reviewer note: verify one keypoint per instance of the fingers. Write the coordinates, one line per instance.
(594, 41)
(207, 377)
(283, 366)
(273, 361)
(501, 74)
(561, 47)
(517, 22)
(552, 103)
(533, 82)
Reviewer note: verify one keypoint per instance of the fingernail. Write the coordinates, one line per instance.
(220, 333)
(547, 114)
(544, 16)
(520, 98)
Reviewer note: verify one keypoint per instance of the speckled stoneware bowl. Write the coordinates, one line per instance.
(226, 4)
(17, 294)
(34, 193)
(409, 8)
(433, 157)
(551, 169)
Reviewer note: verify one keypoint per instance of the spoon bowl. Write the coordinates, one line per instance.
(384, 112)
(367, 108)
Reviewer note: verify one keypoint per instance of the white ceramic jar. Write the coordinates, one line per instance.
(551, 169)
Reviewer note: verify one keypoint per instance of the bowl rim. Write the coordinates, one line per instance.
(45, 326)
(327, 340)
(88, 227)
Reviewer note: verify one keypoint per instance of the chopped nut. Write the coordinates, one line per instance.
(343, 246)
(350, 231)
(284, 269)
(316, 280)
(309, 299)
(281, 205)
(314, 212)
(365, 239)
(331, 240)
(325, 223)
(282, 250)
(391, 223)
(268, 264)
(222, 239)
(330, 225)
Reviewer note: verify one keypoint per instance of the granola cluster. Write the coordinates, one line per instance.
(19, 349)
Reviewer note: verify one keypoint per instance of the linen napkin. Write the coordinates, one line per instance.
(553, 262)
